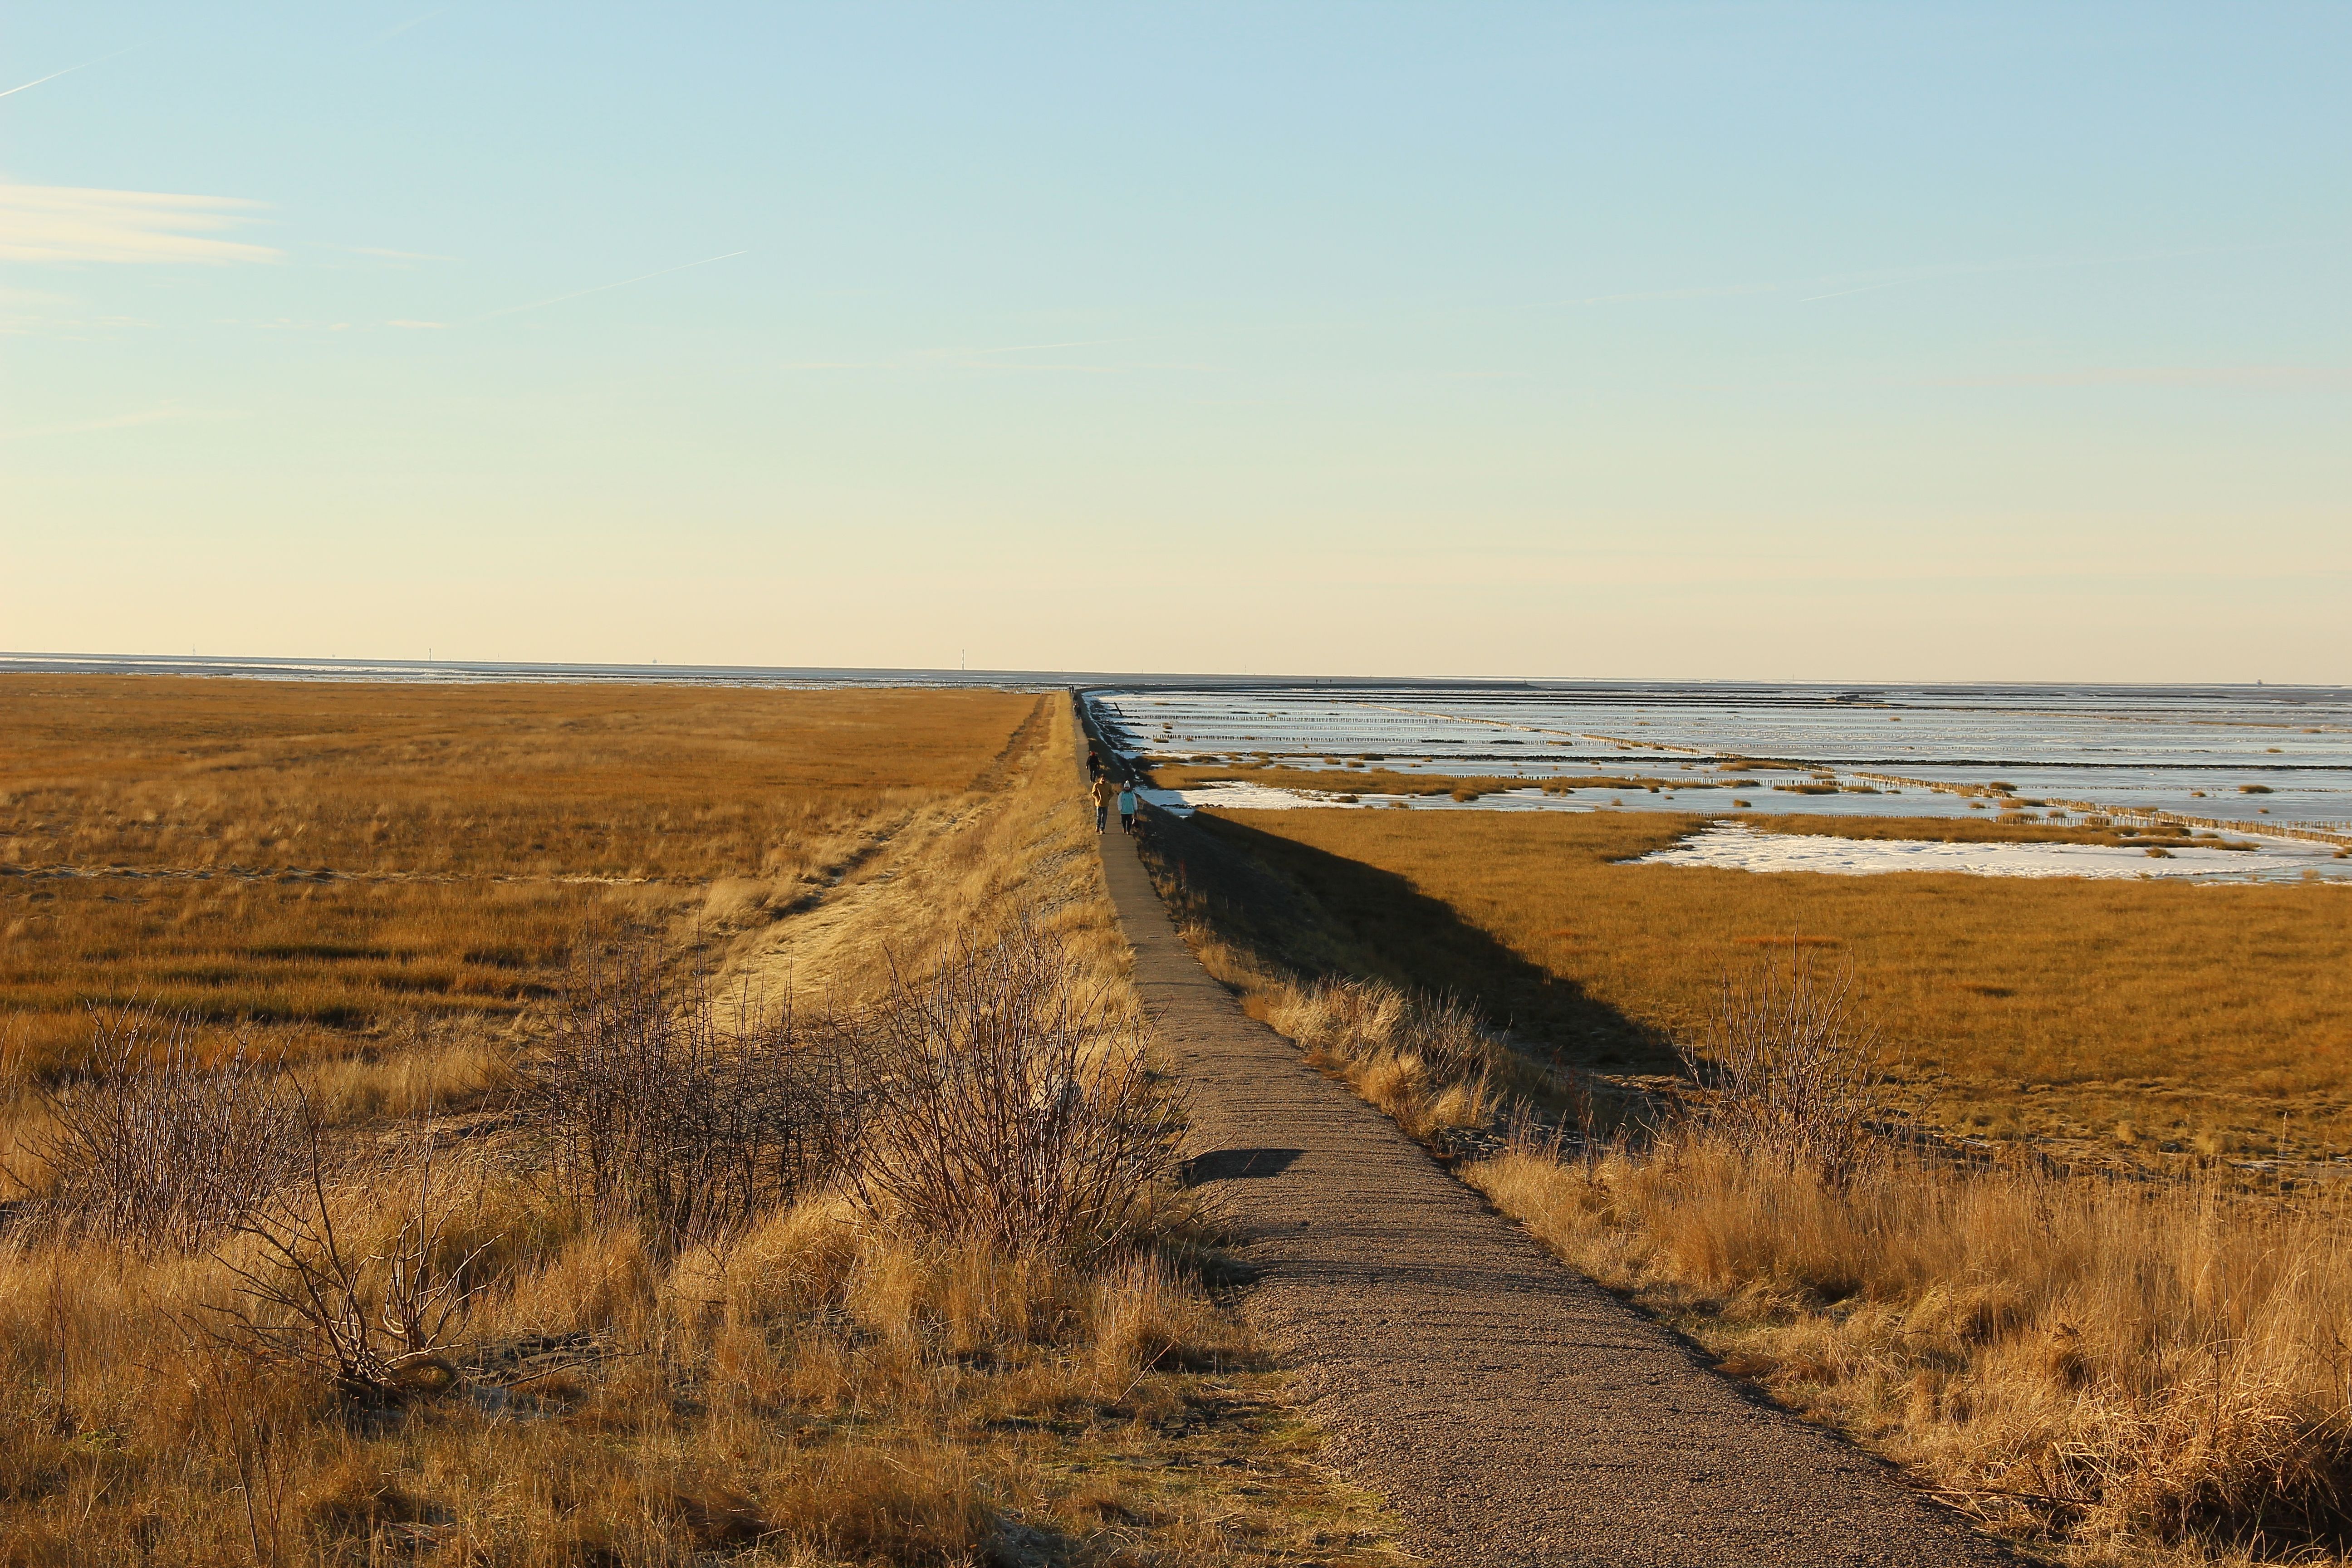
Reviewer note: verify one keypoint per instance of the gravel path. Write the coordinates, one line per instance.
(1510, 1411)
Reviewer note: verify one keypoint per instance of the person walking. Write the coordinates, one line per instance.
(1127, 805)
(1102, 803)
(1094, 763)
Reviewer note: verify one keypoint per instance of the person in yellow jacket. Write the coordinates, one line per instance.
(1102, 803)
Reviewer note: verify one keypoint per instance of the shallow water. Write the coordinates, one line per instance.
(2267, 757)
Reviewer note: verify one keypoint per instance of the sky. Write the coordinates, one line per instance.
(1840, 341)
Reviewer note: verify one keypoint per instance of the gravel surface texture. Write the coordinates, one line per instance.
(1509, 1410)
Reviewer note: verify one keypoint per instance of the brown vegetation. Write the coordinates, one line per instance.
(2011, 828)
(645, 1299)
(2119, 1016)
(2106, 1370)
(317, 865)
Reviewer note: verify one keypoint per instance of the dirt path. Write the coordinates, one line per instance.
(1512, 1412)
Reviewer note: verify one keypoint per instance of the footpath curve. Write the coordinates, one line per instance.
(1509, 1410)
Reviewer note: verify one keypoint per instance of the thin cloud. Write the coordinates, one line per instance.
(40, 79)
(53, 76)
(601, 287)
(419, 326)
(393, 255)
(68, 222)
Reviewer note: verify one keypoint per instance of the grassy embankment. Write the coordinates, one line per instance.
(674, 1354)
(2108, 1371)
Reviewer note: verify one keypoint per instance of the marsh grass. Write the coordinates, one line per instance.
(546, 781)
(2122, 1372)
(324, 861)
(787, 1376)
(2007, 828)
(2110, 1370)
(2022, 1008)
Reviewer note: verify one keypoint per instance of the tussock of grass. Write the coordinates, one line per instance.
(1427, 1061)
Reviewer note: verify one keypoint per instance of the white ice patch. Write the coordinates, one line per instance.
(1736, 847)
(1234, 797)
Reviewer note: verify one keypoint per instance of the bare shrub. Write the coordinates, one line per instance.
(378, 1325)
(664, 1116)
(156, 1150)
(1795, 1076)
(1000, 1102)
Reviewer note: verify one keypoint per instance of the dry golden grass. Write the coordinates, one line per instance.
(498, 780)
(2108, 1371)
(311, 969)
(809, 1392)
(2121, 1372)
(2125, 1015)
(1027, 846)
(818, 1388)
(2007, 828)
(319, 864)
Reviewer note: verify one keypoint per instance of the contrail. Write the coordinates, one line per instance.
(583, 293)
(53, 76)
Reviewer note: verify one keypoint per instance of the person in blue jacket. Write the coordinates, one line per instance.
(1126, 804)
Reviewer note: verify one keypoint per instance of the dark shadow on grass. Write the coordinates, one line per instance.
(1324, 915)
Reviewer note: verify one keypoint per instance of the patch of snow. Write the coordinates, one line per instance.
(1733, 847)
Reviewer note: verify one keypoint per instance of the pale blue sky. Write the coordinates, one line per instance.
(1847, 341)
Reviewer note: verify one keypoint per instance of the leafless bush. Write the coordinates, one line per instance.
(998, 1101)
(154, 1148)
(1795, 1075)
(378, 1325)
(661, 1115)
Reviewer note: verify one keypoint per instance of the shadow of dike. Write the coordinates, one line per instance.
(1325, 916)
